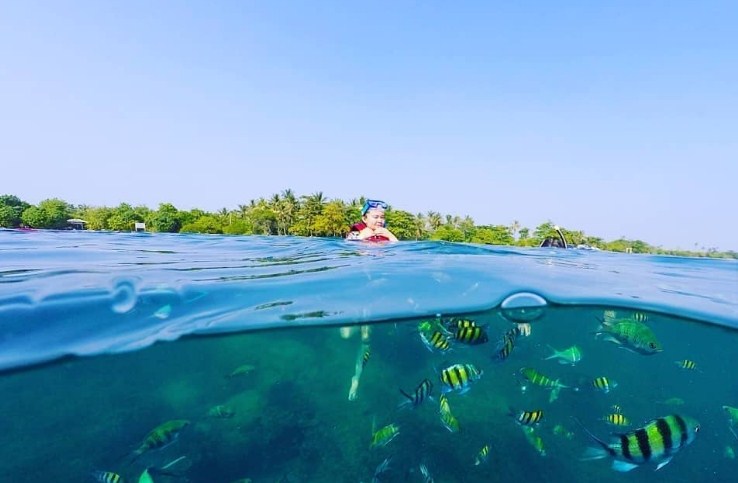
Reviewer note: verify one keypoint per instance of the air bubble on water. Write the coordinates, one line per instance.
(124, 296)
(523, 307)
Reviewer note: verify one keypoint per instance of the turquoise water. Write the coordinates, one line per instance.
(161, 322)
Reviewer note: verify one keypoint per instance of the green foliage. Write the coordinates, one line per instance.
(493, 235)
(204, 224)
(96, 217)
(167, 219)
(123, 218)
(311, 215)
(34, 217)
(448, 233)
(332, 220)
(402, 224)
(11, 211)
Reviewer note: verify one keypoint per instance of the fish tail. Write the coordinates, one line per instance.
(554, 353)
(595, 453)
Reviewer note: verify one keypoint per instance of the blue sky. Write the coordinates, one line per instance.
(618, 118)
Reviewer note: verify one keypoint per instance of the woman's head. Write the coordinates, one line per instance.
(372, 213)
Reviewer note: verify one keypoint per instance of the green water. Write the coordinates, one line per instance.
(293, 421)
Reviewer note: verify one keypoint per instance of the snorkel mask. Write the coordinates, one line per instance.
(369, 204)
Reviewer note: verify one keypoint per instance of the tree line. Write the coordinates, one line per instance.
(286, 213)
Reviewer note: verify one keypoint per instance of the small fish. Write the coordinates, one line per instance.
(450, 422)
(427, 478)
(242, 370)
(505, 346)
(604, 384)
(422, 392)
(453, 324)
(527, 418)
(382, 467)
(459, 377)
(221, 411)
(630, 334)
(384, 435)
(447, 418)
(617, 419)
(163, 435)
(539, 379)
(365, 356)
(656, 442)
(435, 340)
(482, 455)
(106, 477)
(616, 409)
(534, 439)
(471, 335)
(560, 430)
(732, 415)
(639, 317)
(686, 364)
(571, 356)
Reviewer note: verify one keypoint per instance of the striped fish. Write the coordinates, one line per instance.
(506, 344)
(160, 436)
(686, 364)
(617, 419)
(459, 377)
(435, 340)
(452, 324)
(365, 356)
(447, 418)
(656, 442)
(640, 317)
(604, 384)
(422, 392)
(482, 455)
(539, 379)
(471, 335)
(527, 418)
(106, 477)
(384, 435)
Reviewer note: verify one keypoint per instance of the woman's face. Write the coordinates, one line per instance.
(374, 218)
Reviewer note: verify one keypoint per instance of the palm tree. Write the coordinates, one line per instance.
(434, 220)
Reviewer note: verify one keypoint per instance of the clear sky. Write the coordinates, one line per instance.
(619, 118)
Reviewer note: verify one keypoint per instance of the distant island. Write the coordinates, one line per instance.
(309, 215)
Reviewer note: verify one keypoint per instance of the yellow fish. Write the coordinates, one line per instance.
(384, 435)
(160, 436)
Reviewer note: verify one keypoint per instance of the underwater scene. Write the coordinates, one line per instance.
(213, 359)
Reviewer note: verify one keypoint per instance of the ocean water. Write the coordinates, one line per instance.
(254, 341)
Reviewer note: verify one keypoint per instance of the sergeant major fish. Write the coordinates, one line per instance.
(459, 377)
(656, 442)
(384, 435)
(162, 435)
(422, 392)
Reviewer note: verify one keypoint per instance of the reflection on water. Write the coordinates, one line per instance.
(274, 405)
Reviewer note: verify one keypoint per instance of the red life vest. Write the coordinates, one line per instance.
(374, 238)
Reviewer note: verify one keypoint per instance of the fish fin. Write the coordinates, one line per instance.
(605, 446)
(623, 466)
(663, 463)
(552, 356)
(592, 453)
(733, 431)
